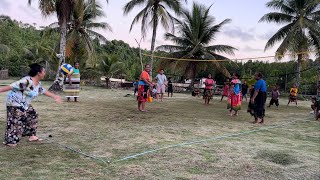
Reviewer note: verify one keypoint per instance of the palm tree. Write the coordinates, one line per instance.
(80, 29)
(153, 12)
(63, 10)
(110, 65)
(196, 32)
(301, 30)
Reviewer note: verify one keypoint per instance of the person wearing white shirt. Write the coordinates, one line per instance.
(161, 84)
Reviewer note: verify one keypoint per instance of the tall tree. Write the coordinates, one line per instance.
(81, 30)
(300, 34)
(197, 30)
(63, 10)
(153, 12)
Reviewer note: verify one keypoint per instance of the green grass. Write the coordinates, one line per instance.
(278, 157)
(106, 124)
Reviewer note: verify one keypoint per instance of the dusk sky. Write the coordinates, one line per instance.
(244, 32)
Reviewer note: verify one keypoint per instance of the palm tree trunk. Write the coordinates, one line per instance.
(298, 72)
(107, 82)
(154, 34)
(140, 53)
(57, 86)
(191, 72)
(318, 83)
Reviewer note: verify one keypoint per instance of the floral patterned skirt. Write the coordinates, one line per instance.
(207, 94)
(234, 101)
(143, 93)
(20, 122)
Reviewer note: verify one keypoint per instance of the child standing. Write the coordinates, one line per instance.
(154, 92)
(274, 97)
(135, 85)
(293, 95)
(225, 89)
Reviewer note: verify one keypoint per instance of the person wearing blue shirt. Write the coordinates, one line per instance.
(135, 85)
(259, 98)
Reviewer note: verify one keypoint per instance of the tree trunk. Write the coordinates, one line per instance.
(107, 82)
(154, 34)
(57, 86)
(140, 53)
(191, 72)
(298, 71)
(318, 83)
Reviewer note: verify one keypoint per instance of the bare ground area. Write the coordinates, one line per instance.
(107, 125)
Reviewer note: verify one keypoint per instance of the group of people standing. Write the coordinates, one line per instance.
(235, 91)
(143, 87)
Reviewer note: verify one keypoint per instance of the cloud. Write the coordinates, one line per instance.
(29, 11)
(158, 42)
(251, 49)
(4, 5)
(237, 32)
(267, 35)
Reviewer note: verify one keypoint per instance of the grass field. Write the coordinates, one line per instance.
(107, 125)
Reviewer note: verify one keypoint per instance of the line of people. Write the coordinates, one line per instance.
(146, 89)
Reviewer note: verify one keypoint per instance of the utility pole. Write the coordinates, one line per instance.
(140, 54)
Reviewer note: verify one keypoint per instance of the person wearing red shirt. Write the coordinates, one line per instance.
(207, 94)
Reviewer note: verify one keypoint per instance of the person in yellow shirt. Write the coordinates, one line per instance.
(293, 95)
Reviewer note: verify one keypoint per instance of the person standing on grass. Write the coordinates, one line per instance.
(73, 90)
(170, 87)
(315, 106)
(274, 97)
(161, 84)
(259, 98)
(135, 85)
(143, 88)
(22, 118)
(225, 89)
(244, 90)
(234, 97)
(207, 94)
(293, 95)
(67, 70)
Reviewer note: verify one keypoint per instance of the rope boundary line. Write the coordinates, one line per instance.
(205, 140)
(227, 60)
(170, 146)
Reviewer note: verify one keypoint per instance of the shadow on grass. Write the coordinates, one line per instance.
(278, 157)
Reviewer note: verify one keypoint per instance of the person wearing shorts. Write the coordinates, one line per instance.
(293, 95)
(161, 84)
(274, 97)
(244, 90)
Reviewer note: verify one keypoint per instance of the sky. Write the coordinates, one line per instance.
(244, 32)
